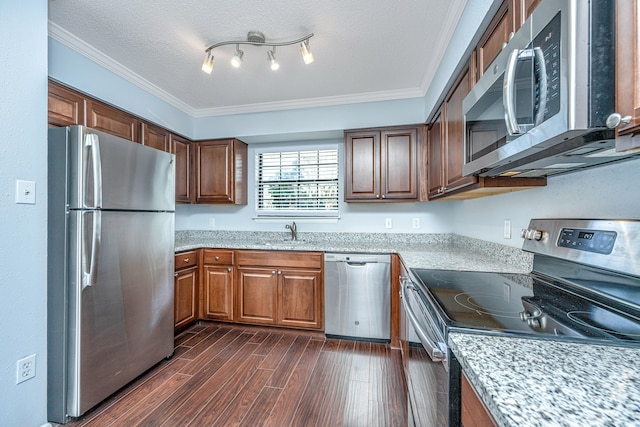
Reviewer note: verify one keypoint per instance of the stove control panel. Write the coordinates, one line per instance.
(597, 241)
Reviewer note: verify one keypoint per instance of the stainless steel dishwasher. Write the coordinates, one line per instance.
(357, 294)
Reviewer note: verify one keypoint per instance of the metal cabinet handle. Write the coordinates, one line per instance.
(615, 119)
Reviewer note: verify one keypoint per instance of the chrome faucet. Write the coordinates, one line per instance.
(294, 230)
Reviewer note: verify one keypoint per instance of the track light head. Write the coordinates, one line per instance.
(207, 65)
(305, 49)
(236, 61)
(271, 57)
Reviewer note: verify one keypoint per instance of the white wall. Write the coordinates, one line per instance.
(23, 231)
(611, 191)
(434, 217)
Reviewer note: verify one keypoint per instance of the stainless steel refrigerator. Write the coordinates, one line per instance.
(110, 265)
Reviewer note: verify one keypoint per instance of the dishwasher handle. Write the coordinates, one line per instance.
(433, 348)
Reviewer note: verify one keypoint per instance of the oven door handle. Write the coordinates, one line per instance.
(435, 351)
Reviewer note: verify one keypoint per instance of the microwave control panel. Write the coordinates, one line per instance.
(598, 241)
(548, 41)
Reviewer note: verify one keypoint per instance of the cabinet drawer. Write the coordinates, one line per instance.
(186, 259)
(217, 257)
(279, 259)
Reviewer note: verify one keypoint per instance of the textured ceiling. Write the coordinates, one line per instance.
(364, 49)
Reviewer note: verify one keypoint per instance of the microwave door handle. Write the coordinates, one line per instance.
(432, 348)
(507, 94)
(542, 89)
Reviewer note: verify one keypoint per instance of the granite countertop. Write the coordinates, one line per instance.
(535, 382)
(427, 250)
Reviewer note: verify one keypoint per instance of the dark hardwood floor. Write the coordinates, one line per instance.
(231, 375)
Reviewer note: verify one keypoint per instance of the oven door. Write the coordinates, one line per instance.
(427, 369)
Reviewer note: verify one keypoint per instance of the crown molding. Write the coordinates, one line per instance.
(326, 101)
(63, 36)
(442, 42)
(83, 48)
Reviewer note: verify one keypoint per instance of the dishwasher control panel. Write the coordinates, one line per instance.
(357, 258)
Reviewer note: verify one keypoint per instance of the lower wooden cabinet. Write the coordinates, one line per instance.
(280, 288)
(217, 284)
(474, 413)
(186, 285)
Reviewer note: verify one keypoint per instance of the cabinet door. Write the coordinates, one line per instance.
(66, 107)
(300, 298)
(217, 286)
(362, 165)
(435, 158)
(454, 137)
(214, 171)
(399, 163)
(496, 35)
(156, 137)
(256, 295)
(186, 297)
(184, 178)
(628, 72)
(111, 120)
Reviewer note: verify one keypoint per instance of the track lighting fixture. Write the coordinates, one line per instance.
(236, 61)
(305, 49)
(271, 57)
(207, 65)
(256, 38)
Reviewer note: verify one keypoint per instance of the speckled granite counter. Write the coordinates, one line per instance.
(439, 251)
(530, 382)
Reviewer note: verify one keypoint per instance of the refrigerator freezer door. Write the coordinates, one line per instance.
(121, 301)
(111, 173)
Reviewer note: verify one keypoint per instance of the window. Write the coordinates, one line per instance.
(297, 183)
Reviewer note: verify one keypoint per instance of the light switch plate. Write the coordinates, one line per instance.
(25, 192)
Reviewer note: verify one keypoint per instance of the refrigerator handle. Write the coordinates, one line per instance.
(89, 276)
(92, 141)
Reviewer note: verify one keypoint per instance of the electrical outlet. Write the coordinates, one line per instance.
(26, 368)
(415, 223)
(25, 192)
(212, 222)
(388, 223)
(507, 229)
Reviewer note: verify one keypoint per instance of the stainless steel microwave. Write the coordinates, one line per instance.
(541, 107)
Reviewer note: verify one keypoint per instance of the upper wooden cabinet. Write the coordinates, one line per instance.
(181, 147)
(507, 20)
(155, 137)
(66, 107)
(381, 164)
(111, 120)
(221, 171)
(628, 72)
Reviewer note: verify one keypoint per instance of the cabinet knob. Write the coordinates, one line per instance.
(229, 269)
(217, 258)
(439, 190)
(273, 272)
(228, 199)
(175, 274)
(186, 260)
(279, 272)
(615, 119)
(384, 197)
(377, 196)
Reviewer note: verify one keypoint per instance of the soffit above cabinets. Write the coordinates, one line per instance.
(365, 50)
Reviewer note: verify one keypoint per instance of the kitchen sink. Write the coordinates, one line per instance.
(283, 242)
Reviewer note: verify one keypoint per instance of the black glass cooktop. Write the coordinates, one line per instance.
(526, 304)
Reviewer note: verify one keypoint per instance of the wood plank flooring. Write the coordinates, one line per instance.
(231, 375)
